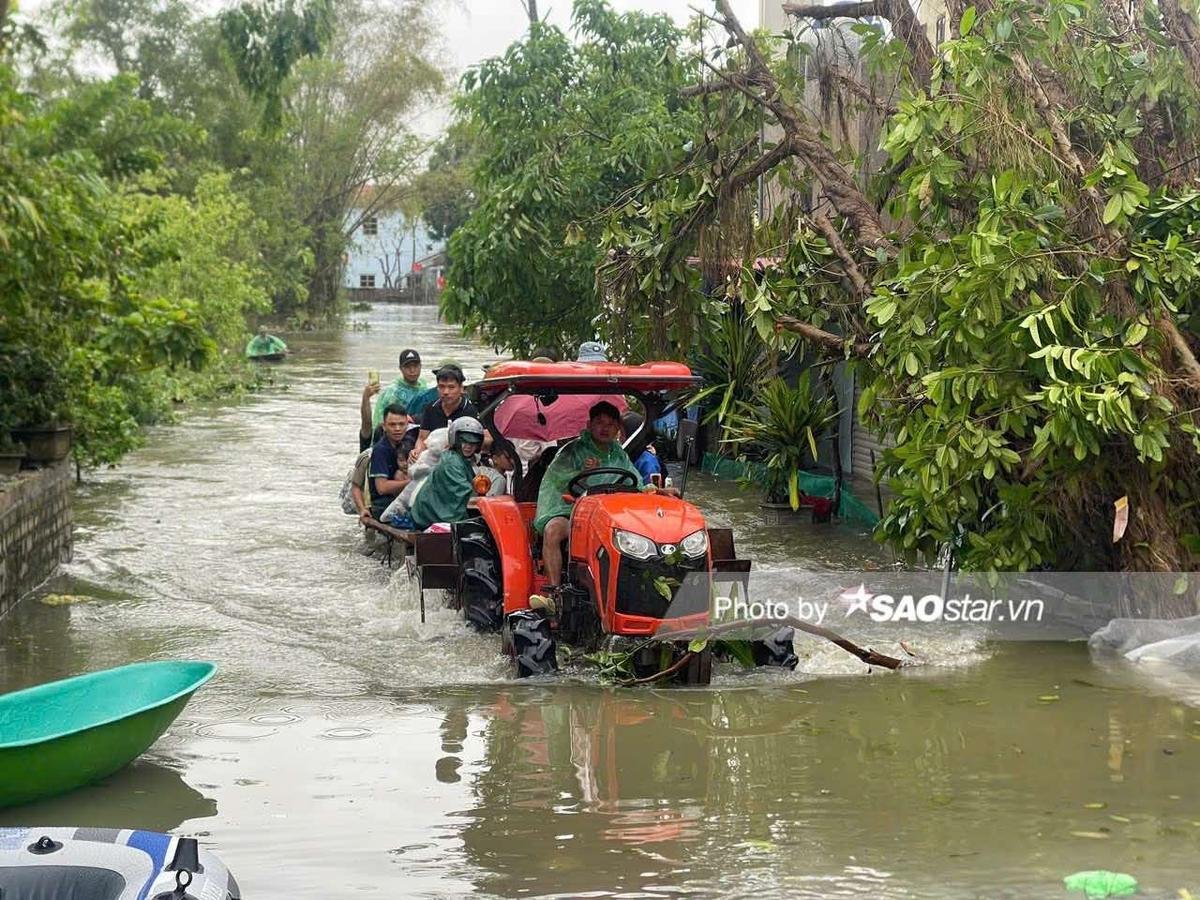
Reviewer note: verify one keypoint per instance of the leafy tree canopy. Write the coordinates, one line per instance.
(1016, 273)
(563, 129)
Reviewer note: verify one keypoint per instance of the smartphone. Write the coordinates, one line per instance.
(656, 479)
(372, 377)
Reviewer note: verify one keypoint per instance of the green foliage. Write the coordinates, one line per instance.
(734, 362)
(784, 424)
(266, 40)
(111, 280)
(444, 189)
(1027, 316)
(563, 129)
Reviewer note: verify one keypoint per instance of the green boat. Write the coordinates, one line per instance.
(59, 736)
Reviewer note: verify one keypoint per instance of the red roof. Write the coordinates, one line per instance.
(586, 378)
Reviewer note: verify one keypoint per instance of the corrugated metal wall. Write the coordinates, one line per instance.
(862, 442)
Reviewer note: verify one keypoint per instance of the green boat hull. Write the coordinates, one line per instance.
(84, 741)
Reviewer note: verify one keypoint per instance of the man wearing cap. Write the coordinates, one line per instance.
(451, 404)
(403, 390)
(596, 447)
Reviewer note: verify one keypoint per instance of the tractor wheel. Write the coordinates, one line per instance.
(480, 586)
(776, 650)
(533, 649)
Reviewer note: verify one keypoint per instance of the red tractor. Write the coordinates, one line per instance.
(640, 567)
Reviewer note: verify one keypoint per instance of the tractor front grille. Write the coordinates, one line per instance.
(638, 592)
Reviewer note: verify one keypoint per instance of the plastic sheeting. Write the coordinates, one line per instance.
(1174, 641)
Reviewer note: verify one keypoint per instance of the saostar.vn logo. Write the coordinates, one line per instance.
(936, 608)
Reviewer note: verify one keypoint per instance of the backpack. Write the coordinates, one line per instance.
(344, 495)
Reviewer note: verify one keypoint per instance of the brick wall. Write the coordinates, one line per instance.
(35, 529)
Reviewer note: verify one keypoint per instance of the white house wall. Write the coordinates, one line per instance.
(389, 254)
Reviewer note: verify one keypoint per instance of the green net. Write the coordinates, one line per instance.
(850, 508)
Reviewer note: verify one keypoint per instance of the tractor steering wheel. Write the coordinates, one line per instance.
(577, 488)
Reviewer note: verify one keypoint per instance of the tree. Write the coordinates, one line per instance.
(345, 110)
(562, 130)
(113, 285)
(1016, 274)
(443, 190)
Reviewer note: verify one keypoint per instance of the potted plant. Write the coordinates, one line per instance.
(37, 396)
(783, 426)
(48, 442)
(11, 454)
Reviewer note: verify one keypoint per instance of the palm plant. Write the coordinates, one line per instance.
(733, 363)
(784, 424)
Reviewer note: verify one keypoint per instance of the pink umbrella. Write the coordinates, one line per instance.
(524, 417)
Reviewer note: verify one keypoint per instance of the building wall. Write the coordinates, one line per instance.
(35, 529)
(388, 255)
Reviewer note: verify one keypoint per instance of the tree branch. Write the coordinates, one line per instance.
(833, 10)
(838, 184)
(707, 87)
(763, 164)
(905, 26)
(822, 338)
(853, 272)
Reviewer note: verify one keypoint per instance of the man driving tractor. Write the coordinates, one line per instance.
(596, 447)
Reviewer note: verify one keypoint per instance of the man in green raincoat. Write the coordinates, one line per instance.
(264, 344)
(596, 447)
(404, 390)
(448, 489)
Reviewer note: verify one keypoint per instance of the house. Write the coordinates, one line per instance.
(382, 249)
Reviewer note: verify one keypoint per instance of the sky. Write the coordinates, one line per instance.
(477, 29)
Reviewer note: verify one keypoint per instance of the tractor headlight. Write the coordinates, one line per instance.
(695, 544)
(634, 545)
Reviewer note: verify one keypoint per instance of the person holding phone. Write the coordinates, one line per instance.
(366, 432)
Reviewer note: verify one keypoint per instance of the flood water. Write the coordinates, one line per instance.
(346, 749)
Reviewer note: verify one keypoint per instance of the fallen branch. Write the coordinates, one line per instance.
(819, 336)
(870, 657)
(658, 676)
(853, 272)
(707, 87)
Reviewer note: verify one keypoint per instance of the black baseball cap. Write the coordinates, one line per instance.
(409, 356)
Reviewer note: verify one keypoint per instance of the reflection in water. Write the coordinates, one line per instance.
(348, 748)
(145, 794)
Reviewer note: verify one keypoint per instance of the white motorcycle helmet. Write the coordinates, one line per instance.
(465, 430)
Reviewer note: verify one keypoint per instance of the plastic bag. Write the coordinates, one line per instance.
(435, 445)
(345, 497)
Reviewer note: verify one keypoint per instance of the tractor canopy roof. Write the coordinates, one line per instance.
(584, 378)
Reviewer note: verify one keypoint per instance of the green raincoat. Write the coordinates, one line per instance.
(582, 453)
(264, 345)
(444, 496)
(399, 391)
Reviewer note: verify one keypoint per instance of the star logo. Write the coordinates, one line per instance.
(858, 600)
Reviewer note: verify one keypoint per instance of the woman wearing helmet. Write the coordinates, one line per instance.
(444, 496)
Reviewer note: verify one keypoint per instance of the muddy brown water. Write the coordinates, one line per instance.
(346, 749)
